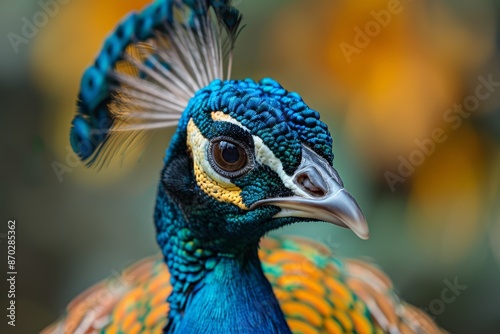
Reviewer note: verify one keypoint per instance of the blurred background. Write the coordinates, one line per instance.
(385, 78)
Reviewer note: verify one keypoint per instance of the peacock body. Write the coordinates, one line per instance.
(247, 158)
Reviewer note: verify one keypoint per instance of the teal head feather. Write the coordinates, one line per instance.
(247, 157)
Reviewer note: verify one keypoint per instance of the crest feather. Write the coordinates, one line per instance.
(148, 70)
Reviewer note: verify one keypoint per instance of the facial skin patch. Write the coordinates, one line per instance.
(263, 155)
(208, 180)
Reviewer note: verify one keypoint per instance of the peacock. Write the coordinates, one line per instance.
(247, 158)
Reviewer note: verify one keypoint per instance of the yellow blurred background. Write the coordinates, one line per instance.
(385, 76)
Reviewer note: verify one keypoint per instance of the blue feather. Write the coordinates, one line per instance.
(92, 127)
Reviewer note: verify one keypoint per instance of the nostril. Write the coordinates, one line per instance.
(305, 182)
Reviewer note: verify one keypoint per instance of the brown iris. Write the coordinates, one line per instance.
(229, 157)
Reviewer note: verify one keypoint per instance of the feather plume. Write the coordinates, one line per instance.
(148, 70)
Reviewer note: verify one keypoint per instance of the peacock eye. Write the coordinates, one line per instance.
(228, 158)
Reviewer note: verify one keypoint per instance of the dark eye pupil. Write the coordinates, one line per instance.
(228, 157)
(230, 152)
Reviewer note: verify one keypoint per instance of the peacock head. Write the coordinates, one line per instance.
(251, 157)
(247, 157)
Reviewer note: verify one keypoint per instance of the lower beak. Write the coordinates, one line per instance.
(320, 195)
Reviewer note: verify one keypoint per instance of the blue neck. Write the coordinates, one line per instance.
(213, 292)
(234, 297)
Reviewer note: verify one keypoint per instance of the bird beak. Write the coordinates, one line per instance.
(319, 195)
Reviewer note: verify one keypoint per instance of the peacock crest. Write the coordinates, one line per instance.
(248, 157)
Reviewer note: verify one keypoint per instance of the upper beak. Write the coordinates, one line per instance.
(320, 195)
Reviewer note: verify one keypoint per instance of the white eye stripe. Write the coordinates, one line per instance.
(220, 116)
(263, 155)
